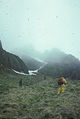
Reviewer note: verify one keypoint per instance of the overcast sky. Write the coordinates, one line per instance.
(40, 24)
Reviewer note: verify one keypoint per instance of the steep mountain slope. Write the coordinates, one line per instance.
(11, 61)
(53, 56)
(62, 65)
(32, 63)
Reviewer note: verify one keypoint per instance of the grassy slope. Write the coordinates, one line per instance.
(37, 99)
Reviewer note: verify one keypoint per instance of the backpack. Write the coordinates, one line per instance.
(60, 81)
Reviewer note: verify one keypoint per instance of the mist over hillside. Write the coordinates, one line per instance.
(11, 61)
(54, 62)
(53, 56)
(27, 51)
(32, 63)
(61, 64)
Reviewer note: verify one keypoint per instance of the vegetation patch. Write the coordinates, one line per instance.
(37, 98)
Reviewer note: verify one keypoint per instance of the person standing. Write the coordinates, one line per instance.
(62, 84)
(20, 82)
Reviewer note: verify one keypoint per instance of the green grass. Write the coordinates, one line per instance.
(37, 98)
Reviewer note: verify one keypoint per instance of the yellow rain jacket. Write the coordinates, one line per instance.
(62, 87)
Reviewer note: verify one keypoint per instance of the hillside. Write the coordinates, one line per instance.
(53, 56)
(31, 63)
(11, 61)
(60, 64)
(38, 98)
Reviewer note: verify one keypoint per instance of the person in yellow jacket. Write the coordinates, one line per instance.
(62, 83)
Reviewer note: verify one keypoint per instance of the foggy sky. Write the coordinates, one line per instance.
(40, 24)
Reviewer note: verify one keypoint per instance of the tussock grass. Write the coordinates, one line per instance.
(37, 98)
